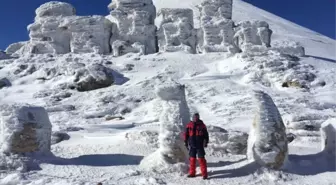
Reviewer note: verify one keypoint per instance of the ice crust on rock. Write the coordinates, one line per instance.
(172, 153)
(13, 48)
(216, 32)
(25, 128)
(249, 33)
(57, 30)
(267, 143)
(133, 30)
(177, 31)
(89, 34)
(55, 8)
(328, 135)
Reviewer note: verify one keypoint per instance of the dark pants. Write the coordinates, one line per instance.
(200, 152)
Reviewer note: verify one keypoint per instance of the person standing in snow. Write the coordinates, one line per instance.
(196, 139)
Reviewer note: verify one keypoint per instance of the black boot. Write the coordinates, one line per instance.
(191, 176)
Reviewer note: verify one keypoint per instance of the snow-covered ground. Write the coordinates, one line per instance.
(218, 86)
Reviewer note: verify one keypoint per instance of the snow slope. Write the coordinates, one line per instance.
(219, 87)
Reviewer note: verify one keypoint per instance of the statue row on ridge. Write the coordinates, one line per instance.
(130, 28)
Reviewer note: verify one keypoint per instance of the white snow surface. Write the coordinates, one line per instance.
(218, 86)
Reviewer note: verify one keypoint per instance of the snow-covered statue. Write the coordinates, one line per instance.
(172, 154)
(328, 138)
(176, 31)
(46, 34)
(252, 33)
(89, 34)
(24, 129)
(58, 30)
(267, 143)
(133, 30)
(216, 33)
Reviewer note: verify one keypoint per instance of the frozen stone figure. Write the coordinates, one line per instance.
(216, 33)
(249, 33)
(172, 153)
(24, 129)
(46, 34)
(89, 34)
(328, 135)
(133, 30)
(267, 143)
(58, 30)
(177, 32)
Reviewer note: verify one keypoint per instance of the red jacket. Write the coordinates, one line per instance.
(196, 134)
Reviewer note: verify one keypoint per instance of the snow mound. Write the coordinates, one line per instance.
(24, 129)
(271, 68)
(267, 143)
(289, 47)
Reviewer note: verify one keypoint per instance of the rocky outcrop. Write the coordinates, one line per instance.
(133, 29)
(177, 32)
(249, 33)
(175, 112)
(25, 128)
(267, 143)
(216, 33)
(226, 141)
(4, 82)
(93, 77)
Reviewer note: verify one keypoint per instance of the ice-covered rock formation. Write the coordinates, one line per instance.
(223, 141)
(133, 29)
(13, 48)
(172, 153)
(176, 31)
(58, 30)
(249, 33)
(328, 135)
(93, 77)
(267, 143)
(24, 129)
(216, 33)
(89, 34)
(46, 34)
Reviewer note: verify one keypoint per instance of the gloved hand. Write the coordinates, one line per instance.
(186, 145)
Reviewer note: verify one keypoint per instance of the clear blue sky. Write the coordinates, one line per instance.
(317, 15)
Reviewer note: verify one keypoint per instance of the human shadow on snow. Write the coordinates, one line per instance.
(223, 163)
(245, 170)
(96, 160)
(312, 164)
(321, 58)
